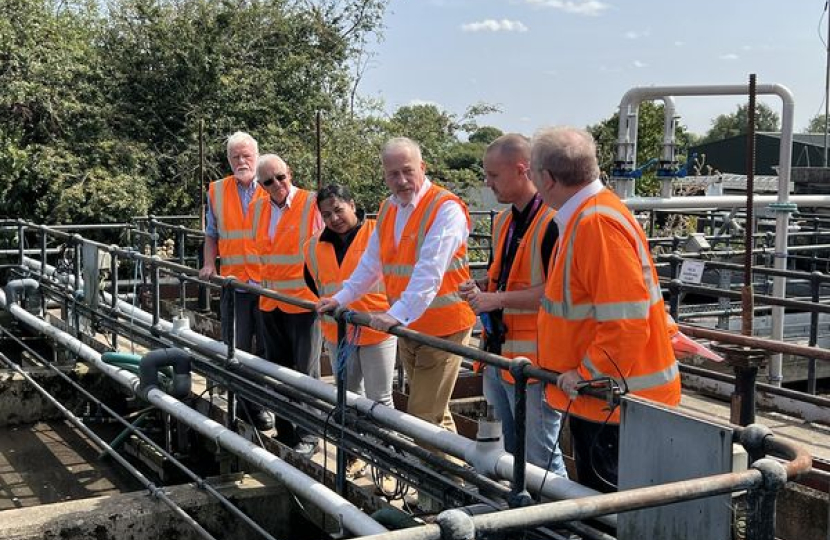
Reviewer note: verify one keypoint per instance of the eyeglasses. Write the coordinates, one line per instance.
(276, 178)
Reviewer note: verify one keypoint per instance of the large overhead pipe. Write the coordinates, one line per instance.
(306, 487)
(783, 206)
(486, 461)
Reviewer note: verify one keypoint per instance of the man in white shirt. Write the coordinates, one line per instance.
(419, 250)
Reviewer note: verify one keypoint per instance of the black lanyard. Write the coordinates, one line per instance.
(514, 238)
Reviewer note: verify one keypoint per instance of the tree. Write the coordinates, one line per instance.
(486, 135)
(816, 124)
(649, 142)
(731, 125)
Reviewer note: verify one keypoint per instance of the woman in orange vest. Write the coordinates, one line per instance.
(330, 258)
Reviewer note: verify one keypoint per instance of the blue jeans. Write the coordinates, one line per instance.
(541, 424)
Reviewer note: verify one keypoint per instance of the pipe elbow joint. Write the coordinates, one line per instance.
(456, 525)
(149, 367)
(15, 288)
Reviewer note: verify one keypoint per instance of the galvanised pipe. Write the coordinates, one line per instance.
(154, 490)
(783, 204)
(779, 347)
(352, 517)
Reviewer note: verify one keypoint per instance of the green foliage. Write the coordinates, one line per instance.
(486, 135)
(649, 143)
(731, 125)
(816, 124)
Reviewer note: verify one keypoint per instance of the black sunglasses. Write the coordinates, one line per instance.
(277, 177)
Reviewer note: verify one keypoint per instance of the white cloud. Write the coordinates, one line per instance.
(638, 64)
(728, 56)
(631, 34)
(590, 8)
(679, 43)
(746, 48)
(492, 25)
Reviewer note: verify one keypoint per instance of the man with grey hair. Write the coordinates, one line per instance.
(419, 250)
(602, 322)
(228, 203)
(282, 223)
(508, 298)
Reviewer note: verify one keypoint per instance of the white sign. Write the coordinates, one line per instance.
(692, 271)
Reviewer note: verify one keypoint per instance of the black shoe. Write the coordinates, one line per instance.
(263, 420)
(307, 449)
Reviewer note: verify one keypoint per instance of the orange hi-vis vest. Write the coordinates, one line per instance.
(279, 262)
(447, 313)
(231, 225)
(603, 313)
(527, 270)
(329, 276)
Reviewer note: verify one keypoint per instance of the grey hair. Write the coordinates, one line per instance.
(241, 137)
(512, 145)
(268, 158)
(401, 142)
(569, 154)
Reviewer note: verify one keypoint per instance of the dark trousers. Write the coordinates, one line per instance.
(293, 340)
(596, 453)
(248, 333)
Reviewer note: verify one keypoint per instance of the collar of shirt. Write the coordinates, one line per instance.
(564, 214)
(291, 191)
(246, 189)
(416, 199)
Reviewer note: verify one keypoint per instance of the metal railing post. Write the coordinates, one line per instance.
(114, 295)
(760, 502)
(21, 241)
(519, 495)
(340, 378)
(76, 273)
(182, 282)
(815, 288)
(230, 335)
(42, 274)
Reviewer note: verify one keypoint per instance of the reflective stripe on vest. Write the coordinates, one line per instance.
(219, 214)
(607, 311)
(639, 382)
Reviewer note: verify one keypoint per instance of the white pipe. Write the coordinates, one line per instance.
(319, 495)
(642, 93)
(723, 201)
(480, 457)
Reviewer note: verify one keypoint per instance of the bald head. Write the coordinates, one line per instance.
(566, 153)
(506, 170)
(512, 146)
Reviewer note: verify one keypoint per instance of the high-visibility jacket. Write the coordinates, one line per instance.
(527, 271)
(603, 313)
(329, 276)
(278, 262)
(231, 225)
(447, 313)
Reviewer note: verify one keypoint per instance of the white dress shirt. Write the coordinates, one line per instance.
(564, 214)
(277, 212)
(447, 233)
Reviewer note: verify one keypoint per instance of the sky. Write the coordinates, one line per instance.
(553, 62)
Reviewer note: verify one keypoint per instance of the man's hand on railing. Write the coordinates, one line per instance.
(207, 271)
(326, 305)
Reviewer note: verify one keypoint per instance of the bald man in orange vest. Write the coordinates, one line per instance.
(419, 250)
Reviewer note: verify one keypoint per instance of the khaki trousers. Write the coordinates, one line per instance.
(432, 374)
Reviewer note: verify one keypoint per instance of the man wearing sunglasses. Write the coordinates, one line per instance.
(228, 205)
(282, 223)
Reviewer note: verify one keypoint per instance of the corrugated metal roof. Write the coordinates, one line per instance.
(733, 182)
